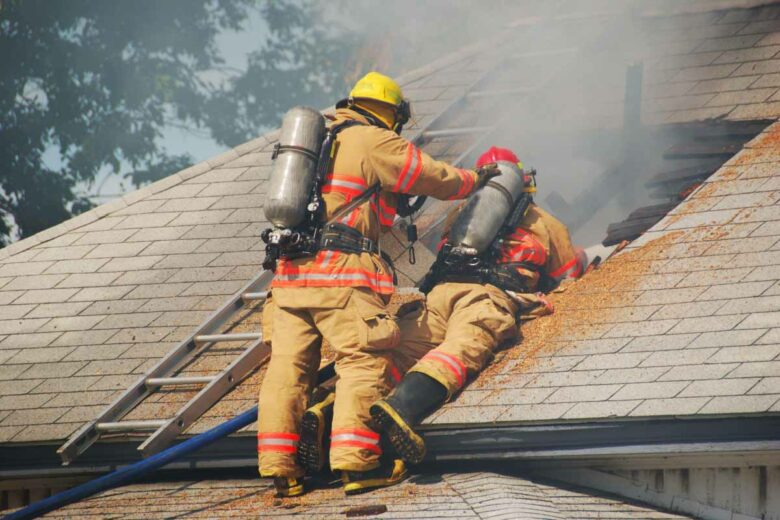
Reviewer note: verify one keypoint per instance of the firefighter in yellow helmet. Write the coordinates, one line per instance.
(472, 308)
(339, 294)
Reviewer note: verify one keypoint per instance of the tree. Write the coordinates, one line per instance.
(95, 84)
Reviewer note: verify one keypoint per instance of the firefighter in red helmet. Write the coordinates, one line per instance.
(500, 254)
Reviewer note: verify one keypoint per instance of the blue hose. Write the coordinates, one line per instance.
(129, 473)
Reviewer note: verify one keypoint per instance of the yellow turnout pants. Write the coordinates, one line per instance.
(355, 323)
(454, 334)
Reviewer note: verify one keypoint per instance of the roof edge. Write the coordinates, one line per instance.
(621, 487)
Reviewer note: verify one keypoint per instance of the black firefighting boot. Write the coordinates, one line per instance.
(415, 397)
(389, 472)
(288, 486)
(315, 431)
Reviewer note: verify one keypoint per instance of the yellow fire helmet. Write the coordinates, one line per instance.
(378, 87)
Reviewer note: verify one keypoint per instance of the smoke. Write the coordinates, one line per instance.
(562, 66)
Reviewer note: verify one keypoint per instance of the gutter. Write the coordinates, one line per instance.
(731, 441)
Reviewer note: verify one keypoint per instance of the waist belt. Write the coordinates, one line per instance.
(503, 276)
(340, 237)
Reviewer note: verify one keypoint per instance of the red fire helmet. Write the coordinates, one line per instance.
(495, 154)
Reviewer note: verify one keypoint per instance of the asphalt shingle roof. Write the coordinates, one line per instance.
(470, 495)
(88, 306)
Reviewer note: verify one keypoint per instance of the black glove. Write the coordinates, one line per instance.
(485, 173)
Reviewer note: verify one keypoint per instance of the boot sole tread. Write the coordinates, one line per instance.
(311, 446)
(403, 444)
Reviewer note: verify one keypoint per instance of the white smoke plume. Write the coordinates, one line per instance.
(569, 124)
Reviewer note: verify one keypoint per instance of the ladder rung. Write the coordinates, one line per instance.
(125, 426)
(174, 381)
(255, 296)
(214, 338)
(431, 134)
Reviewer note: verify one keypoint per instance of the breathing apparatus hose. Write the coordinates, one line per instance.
(136, 470)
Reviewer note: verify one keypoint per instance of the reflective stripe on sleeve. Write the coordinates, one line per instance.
(410, 171)
(278, 441)
(355, 438)
(452, 363)
(466, 184)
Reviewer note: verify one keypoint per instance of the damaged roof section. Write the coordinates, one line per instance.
(683, 323)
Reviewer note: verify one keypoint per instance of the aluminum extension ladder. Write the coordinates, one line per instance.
(164, 375)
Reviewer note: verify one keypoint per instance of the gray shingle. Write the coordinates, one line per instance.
(41, 281)
(740, 404)
(672, 406)
(690, 310)
(117, 250)
(715, 387)
(157, 233)
(756, 369)
(661, 342)
(35, 416)
(707, 324)
(601, 409)
(514, 396)
(735, 290)
(109, 367)
(767, 385)
(649, 328)
(536, 412)
(742, 354)
(581, 394)
(616, 360)
(200, 274)
(760, 320)
(726, 338)
(121, 321)
(673, 358)
(41, 355)
(137, 335)
(657, 390)
(64, 253)
(172, 247)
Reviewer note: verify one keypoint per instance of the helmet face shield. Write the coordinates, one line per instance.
(403, 113)
(529, 180)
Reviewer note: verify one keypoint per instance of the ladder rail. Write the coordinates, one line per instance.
(82, 439)
(258, 354)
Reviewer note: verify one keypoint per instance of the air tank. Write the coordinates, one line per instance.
(486, 209)
(295, 167)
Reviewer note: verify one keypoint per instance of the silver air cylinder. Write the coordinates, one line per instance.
(295, 167)
(486, 210)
